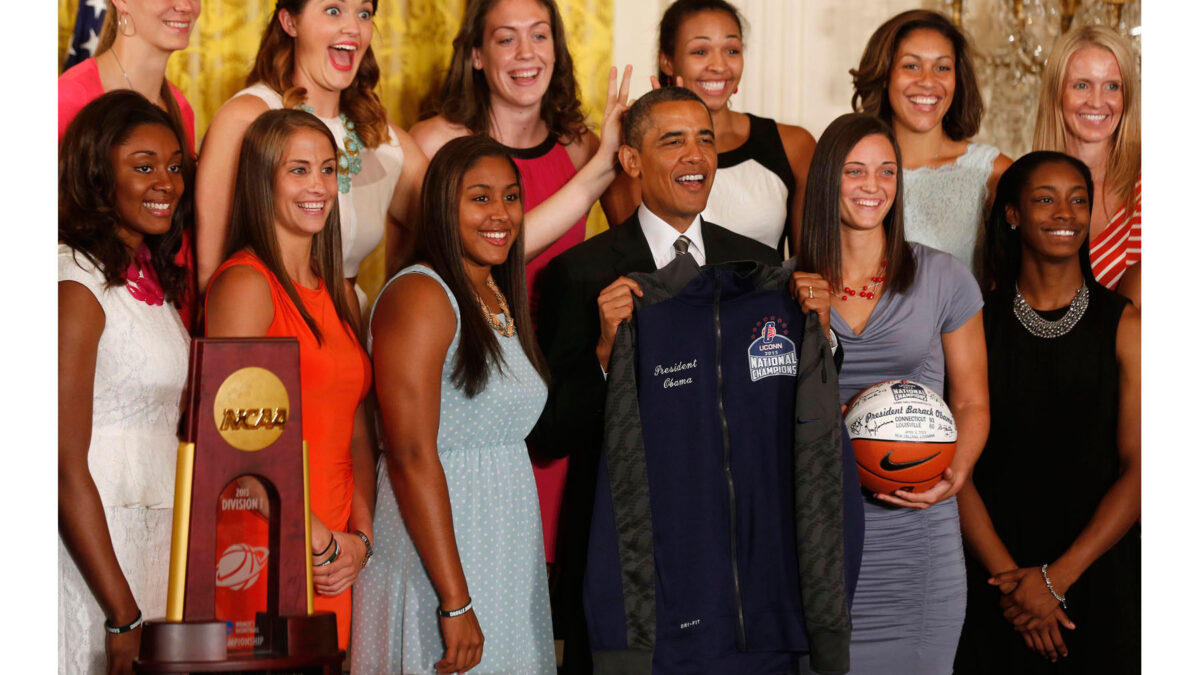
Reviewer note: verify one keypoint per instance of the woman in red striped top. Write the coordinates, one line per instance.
(1090, 108)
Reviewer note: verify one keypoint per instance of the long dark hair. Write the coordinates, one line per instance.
(465, 98)
(821, 242)
(87, 220)
(439, 242)
(875, 68)
(676, 14)
(276, 58)
(1002, 247)
(252, 221)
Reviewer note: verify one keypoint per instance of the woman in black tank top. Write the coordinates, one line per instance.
(1050, 516)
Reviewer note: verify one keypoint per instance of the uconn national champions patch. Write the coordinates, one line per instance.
(771, 353)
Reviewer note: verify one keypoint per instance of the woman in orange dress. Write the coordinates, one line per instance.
(282, 277)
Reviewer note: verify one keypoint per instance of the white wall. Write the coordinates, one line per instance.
(798, 52)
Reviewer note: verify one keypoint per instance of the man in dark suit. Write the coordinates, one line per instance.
(670, 150)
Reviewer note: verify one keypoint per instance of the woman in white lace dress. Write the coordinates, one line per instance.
(122, 362)
(916, 74)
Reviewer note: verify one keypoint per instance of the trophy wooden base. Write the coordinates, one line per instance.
(293, 643)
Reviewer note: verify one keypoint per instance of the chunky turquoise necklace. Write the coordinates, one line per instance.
(349, 159)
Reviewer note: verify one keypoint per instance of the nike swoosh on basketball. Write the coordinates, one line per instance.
(888, 465)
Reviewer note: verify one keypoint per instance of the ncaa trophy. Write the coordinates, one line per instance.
(242, 418)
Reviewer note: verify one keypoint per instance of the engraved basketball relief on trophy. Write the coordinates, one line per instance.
(251, 409)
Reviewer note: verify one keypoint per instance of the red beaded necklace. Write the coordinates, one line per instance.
(868, 290)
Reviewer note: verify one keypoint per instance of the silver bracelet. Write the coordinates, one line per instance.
(1061, 599)
(456, 612)
(337, 550)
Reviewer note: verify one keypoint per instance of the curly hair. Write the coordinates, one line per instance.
(1050, 132)
(440, 243)
(275, 61)
(1002, 247)
(465, 98)
(874, 70)
(252, 219)
(680, 11)
(821, 243)
(87, 183)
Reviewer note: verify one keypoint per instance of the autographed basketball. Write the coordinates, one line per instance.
(903, 436)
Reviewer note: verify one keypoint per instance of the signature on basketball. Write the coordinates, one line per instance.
(871, 426)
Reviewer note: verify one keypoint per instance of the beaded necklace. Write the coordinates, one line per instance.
(349, 159)
(508, 328)
(868, 290)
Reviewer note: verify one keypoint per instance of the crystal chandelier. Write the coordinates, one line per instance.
(1011, 40)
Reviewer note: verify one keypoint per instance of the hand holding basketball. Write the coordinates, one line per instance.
(942, 490)
(812, 292)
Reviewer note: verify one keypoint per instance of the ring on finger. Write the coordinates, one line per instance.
(810, 293)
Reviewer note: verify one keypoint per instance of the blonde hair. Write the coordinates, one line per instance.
(108, 36)
(1125, 160)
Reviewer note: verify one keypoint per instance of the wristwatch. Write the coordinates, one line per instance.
(367, 543)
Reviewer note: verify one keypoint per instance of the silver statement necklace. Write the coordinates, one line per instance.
(1040, 327)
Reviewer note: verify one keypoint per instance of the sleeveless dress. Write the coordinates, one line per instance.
(911, 594)
(753, 187)
(363, 209)
(944, 206)
(1119, 246)
(1054, 406)
(141, 367)
(334, 379)
(545, 168)
(481, 445)
(79, 86)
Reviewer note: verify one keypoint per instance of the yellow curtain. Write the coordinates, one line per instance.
(412, 43)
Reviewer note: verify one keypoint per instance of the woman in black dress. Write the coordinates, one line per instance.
(1050, 513)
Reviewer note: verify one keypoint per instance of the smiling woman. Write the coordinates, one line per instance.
(459, 581)
(123, 196)
(512, 78)
(316, 55)
(916, 74)
(1090, 108)
(1057, 560)
(905, 311)
(762, 165)
(283, 278)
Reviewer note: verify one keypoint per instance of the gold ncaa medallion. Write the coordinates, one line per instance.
(251, 408)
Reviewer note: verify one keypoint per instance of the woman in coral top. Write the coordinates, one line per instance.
(283, 278)
(1091, 109)
(135, 43)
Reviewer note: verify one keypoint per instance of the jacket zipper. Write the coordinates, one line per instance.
(737, 586)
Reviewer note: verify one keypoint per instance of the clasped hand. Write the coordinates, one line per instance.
(1033, 611)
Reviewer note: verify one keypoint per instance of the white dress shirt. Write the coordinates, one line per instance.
(661, 238)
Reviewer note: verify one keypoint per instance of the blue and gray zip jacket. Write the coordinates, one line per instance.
(728, 519)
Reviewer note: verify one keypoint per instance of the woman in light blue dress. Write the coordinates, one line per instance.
(457, 580)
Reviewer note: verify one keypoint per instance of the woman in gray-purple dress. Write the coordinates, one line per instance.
(900, 311)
